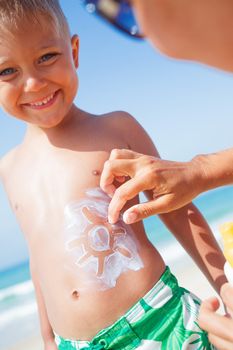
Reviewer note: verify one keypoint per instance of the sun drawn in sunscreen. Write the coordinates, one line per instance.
(98, 251)
(98, 240)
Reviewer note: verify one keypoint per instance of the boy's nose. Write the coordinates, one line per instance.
(34, 84)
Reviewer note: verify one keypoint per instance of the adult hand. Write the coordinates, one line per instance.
(220, 328)
(172, 184)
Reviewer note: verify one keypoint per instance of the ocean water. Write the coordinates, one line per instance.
(216, 206)
(17, 300)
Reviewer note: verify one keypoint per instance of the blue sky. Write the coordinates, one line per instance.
(185, 107)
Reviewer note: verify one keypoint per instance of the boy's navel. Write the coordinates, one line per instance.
(75, 294)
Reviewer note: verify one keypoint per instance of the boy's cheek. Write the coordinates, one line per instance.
(4, 107)
(9, 110)
(10, 96)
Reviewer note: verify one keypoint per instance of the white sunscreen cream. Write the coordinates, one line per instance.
(101, 251)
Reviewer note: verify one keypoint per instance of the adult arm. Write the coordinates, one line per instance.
(173, 184)
(46, 329)
(220, 328)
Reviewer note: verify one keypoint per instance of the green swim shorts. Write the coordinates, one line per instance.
(164, 319)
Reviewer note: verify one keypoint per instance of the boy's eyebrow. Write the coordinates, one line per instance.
(52, 45)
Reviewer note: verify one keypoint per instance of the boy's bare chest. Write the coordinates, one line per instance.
(40, 193)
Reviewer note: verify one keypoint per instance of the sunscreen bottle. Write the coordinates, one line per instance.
(226, 231)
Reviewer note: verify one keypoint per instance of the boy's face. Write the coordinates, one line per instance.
(38, 80)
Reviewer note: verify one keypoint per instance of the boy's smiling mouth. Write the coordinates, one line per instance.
(43, 103)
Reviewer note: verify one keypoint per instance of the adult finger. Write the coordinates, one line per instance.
(123, 154)
(125, 192)
(221, 344)
(209, 305)
(114, 169)
(213, 323)
(227, 295)
(160, 205)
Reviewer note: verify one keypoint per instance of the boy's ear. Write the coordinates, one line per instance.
(75, 49)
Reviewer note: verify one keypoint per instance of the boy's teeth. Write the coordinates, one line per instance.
(43, 102)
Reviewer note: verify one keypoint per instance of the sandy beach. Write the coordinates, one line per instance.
(190, 277)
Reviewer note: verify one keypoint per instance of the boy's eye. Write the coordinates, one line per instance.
(47, 57)
(7, 71)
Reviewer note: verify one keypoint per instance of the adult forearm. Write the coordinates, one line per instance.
(214, 170)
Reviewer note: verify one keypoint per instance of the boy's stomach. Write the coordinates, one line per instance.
(80, 297)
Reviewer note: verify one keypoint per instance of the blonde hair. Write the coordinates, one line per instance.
(14, 12)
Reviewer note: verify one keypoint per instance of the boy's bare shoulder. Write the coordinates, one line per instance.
(135, 136)
(119, 118)
(7, 163)
(119, 121)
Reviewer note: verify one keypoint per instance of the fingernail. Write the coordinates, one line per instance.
(129, 218)
(111, 221)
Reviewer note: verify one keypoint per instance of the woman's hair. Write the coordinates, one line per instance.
(13, 13)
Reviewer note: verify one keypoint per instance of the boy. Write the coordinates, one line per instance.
(98, 286)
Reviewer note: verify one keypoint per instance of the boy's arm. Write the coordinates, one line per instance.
(192, 231)
(187, 224)
(46, 329)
